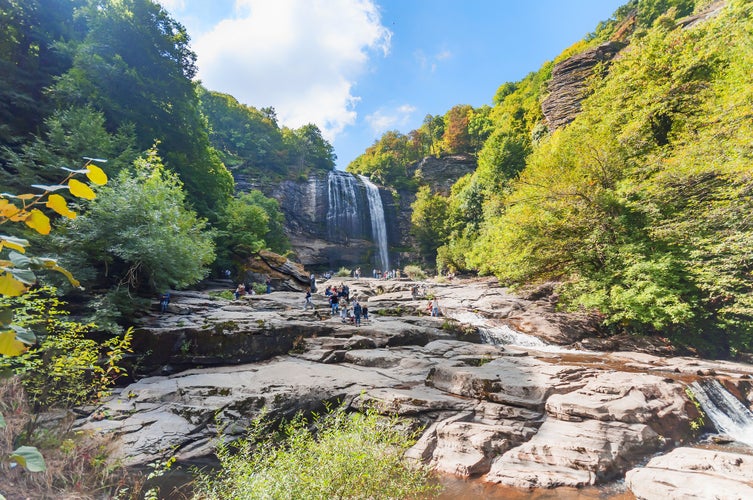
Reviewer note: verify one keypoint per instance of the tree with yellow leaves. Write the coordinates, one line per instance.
(16, 268)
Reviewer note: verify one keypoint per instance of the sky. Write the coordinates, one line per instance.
(358, 68)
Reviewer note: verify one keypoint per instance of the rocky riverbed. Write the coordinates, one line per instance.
(545, 413)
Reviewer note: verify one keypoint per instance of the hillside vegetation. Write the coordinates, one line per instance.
(641, 206)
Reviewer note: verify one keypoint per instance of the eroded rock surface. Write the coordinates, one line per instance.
(518, 416)
(694, 473)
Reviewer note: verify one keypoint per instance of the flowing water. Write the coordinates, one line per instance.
(378, 224)
(355, 211)
(343, 215)
(725, 411)
(502, 334)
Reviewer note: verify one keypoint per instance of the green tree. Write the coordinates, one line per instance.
(307, 149)
(429, 223)
(248, 139)
(251, 222)
(31, 57)
(139, 234)
(69, 135)
(135, 65)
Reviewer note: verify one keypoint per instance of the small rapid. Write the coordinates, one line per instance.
(725, 411)
(503, 334)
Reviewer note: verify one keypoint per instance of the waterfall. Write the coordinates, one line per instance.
(343, 219)
(378, 225)
(503, 334)
(725, 411)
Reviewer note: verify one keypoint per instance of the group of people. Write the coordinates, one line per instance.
(242, 289)
(388, 275)
(340, 304)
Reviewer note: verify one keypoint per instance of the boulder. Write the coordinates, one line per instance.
(630, 398)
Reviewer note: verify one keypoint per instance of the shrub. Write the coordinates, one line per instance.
(343, 272)
(414, 272)
(347, 455)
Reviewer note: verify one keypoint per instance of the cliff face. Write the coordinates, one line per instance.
(328, 221)
(568, 88)
(441, 173)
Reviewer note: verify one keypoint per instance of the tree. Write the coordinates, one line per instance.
(246, 138)
(456, 138)
(139, 234)
(429, 222)
(251, 222)
(69, 134)
(136, 66)
(31, 57)
(308, 149)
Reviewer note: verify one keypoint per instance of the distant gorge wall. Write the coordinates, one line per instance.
(329, 220)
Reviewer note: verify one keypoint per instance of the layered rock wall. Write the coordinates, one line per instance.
(569, 83)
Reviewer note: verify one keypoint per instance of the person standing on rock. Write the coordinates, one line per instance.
(308, 300)
(435, 308)
(357, 313)
(312, 281)
(269, 285)
(333, 303)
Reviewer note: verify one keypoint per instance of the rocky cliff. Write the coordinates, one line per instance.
(441, 173)
(568, 85)
(328, 221)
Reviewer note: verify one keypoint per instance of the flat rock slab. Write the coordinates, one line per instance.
(694, 473)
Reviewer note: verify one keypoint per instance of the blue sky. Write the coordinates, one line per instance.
(357, 68)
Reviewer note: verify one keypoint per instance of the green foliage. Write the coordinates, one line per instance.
(30, 60)
(139, 234)
(343, 272)
(429, 222)
(66, 369)
(248, 140)
(386, 161)
(68, 135)
(135, 65)
(347, 456)
(414, 272)
(308, 150)
(249, 223)
(640, 204)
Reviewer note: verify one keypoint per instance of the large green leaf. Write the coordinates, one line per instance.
(25, 276)
(30, 458)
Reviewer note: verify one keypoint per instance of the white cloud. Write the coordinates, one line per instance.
(302, 57)
(382, 120)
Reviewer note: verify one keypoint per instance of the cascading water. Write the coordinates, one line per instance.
(503, 334)
(343, 218)
(378, 224)
(725, 411)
